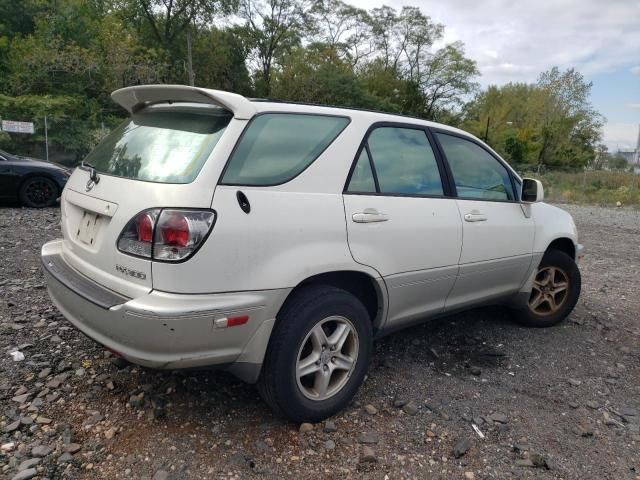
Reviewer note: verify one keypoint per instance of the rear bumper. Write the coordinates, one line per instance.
(165, 330)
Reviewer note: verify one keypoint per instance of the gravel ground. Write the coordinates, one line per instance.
(556, 403)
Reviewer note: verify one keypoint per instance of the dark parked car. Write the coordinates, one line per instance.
(35, 183)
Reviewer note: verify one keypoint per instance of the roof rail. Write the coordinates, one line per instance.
(342, 107)
(137, 97)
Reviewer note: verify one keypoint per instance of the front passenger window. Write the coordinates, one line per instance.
(477, 173)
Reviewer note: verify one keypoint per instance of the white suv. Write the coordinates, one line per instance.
(277, 240)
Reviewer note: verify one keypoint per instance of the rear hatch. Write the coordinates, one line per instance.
(167, 154)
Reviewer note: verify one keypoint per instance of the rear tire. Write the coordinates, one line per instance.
(555, 291)
(38, 192)
(317, 316)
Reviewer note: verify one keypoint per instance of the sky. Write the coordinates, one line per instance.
(515, 40)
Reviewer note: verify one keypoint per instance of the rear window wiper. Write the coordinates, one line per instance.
(86, 165)
(93, 173)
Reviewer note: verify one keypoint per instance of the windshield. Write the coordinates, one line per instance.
(160, 146)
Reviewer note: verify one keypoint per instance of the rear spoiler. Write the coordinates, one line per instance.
(135, 98)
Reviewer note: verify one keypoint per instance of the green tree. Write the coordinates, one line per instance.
(516, 148)
(219, 61)
(389, 92)
(446, 78)
(507, 117)
(317, 74)
(168, 19)
(550, 122)
(343, 27)
(168, 27)
(65, 68)
(18, 19)
(570, 126)
(618, 162)
(63, 58)
(74, 118)
(438, 77)
(271, 29)
(601, 157)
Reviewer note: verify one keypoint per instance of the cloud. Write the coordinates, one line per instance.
(634, 106)
(516, 40)
(619, 135)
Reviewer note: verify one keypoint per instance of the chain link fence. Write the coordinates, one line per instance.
(61, 140)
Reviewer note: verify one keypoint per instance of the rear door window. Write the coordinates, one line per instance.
(362, 180)
(403, 164)
(165, 146)
(276, 147)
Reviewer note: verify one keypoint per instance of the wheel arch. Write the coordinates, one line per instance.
(371, 291)
(563, 244)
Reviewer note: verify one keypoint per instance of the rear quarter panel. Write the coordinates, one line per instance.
(286, 238)
(293, 231)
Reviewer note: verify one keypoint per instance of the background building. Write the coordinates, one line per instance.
(632, 156)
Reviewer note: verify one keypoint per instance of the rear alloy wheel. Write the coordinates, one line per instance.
(554, 293)
(38, 192)
(327, 358)
(318, 354)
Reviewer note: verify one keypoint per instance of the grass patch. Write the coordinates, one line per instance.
(595, 187)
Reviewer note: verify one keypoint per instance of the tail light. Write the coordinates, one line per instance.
(179, 233)
(137, 236)
(144, 226)
(166, 234)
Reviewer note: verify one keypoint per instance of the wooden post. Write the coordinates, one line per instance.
(46, 139)
(486, 131)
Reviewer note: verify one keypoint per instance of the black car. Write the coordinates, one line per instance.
(35, 183)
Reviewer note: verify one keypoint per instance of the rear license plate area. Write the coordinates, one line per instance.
(88, 228)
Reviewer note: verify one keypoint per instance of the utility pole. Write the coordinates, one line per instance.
(636, 156)
(46, 139)
(190, 58)
(486, 131)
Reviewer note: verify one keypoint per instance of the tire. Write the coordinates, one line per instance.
(294, 340)
(543, 312)
(38, 192)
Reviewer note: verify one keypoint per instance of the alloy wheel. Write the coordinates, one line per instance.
(550, 291)
(327, 357)
(39, 192)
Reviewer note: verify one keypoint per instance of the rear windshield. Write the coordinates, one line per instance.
(160, 146)
(278, 146)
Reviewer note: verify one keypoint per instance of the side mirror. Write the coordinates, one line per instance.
(532, 190)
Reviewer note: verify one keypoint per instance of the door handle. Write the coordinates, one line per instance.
(475, 217)
(369, 215)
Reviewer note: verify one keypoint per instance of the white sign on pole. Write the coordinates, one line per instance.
(17, 127)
